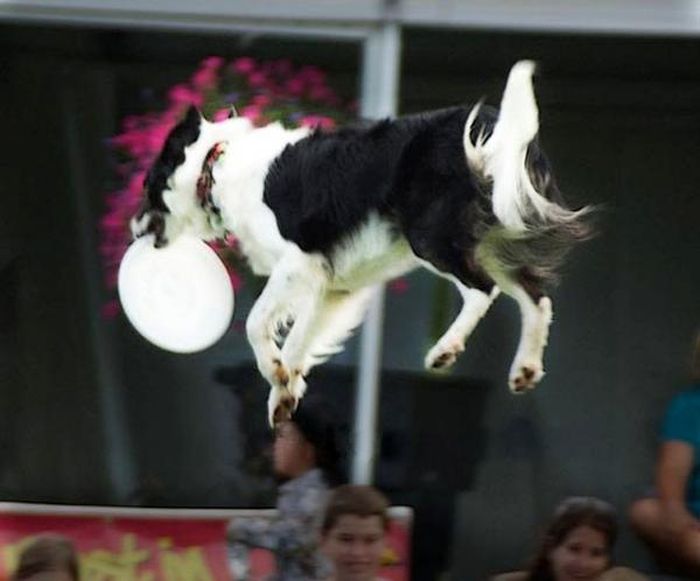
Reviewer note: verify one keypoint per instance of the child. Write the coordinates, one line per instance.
(305, 457)
(49, 557)
(577, 544)
(353, 531)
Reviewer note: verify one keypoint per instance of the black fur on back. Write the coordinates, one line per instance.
(411, 171)
(323, 187)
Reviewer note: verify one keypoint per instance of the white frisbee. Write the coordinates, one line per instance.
(178, 297)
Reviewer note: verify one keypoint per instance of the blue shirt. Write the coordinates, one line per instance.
(682, 424)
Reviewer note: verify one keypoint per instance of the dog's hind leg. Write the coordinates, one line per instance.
(475, 305)
(527, 367)
(536, 315)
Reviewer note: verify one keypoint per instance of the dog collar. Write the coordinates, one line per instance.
(205, 181)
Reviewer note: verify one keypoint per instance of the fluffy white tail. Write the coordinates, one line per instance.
(501, 157)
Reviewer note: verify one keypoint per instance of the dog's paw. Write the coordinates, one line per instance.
(274, 371)
(279, 373)
(280, 406)
(443, 355)
(297, 384)
(525, 376)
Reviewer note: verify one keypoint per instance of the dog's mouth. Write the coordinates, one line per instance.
(156, 226)
(150, 222)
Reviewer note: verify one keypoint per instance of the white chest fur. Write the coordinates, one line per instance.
(373, 254)
(238, 191)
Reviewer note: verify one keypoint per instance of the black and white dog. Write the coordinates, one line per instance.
(465, 192)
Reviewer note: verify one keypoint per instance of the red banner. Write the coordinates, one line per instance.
(128, 549)
(161, 545)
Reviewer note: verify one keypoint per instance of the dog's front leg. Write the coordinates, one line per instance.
(262, 330)
(308, 284)
(292, 291)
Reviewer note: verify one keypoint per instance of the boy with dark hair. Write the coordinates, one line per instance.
(353, 531)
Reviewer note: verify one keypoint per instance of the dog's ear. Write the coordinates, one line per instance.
(193, 116)
(232, 112)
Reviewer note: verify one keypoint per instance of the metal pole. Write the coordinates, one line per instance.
(380, 83)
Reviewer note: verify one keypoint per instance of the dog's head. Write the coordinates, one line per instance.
(171, 202)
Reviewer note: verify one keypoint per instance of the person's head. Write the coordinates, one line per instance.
(306, 441)
(353, 530)
(578, 542)
(48, 557)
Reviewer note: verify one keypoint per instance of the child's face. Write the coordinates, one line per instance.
(582, 555)
(354, 545)
(292, 454)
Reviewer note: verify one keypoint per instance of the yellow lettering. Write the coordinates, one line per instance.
(188, 565)
(165, 543)
(11, 553)
(102, 565)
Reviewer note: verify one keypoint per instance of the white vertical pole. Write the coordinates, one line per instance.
(380, 87)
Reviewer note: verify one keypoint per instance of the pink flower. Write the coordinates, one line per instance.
(183, 95)
(261, 100)
(312, 75)
(212, 62)
(204, 79)
(131, 122)
(243, 65)
(112, 221)
(321, 93)
(295, 86)
(135, 142)
(134, 189)
(252, 112)
(257, 80)
(282, 67)
(157, 136)
(317, 121)
(222, 114)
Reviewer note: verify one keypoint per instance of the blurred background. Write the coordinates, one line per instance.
(90, 413)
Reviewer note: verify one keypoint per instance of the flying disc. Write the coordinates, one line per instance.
(179, 297)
